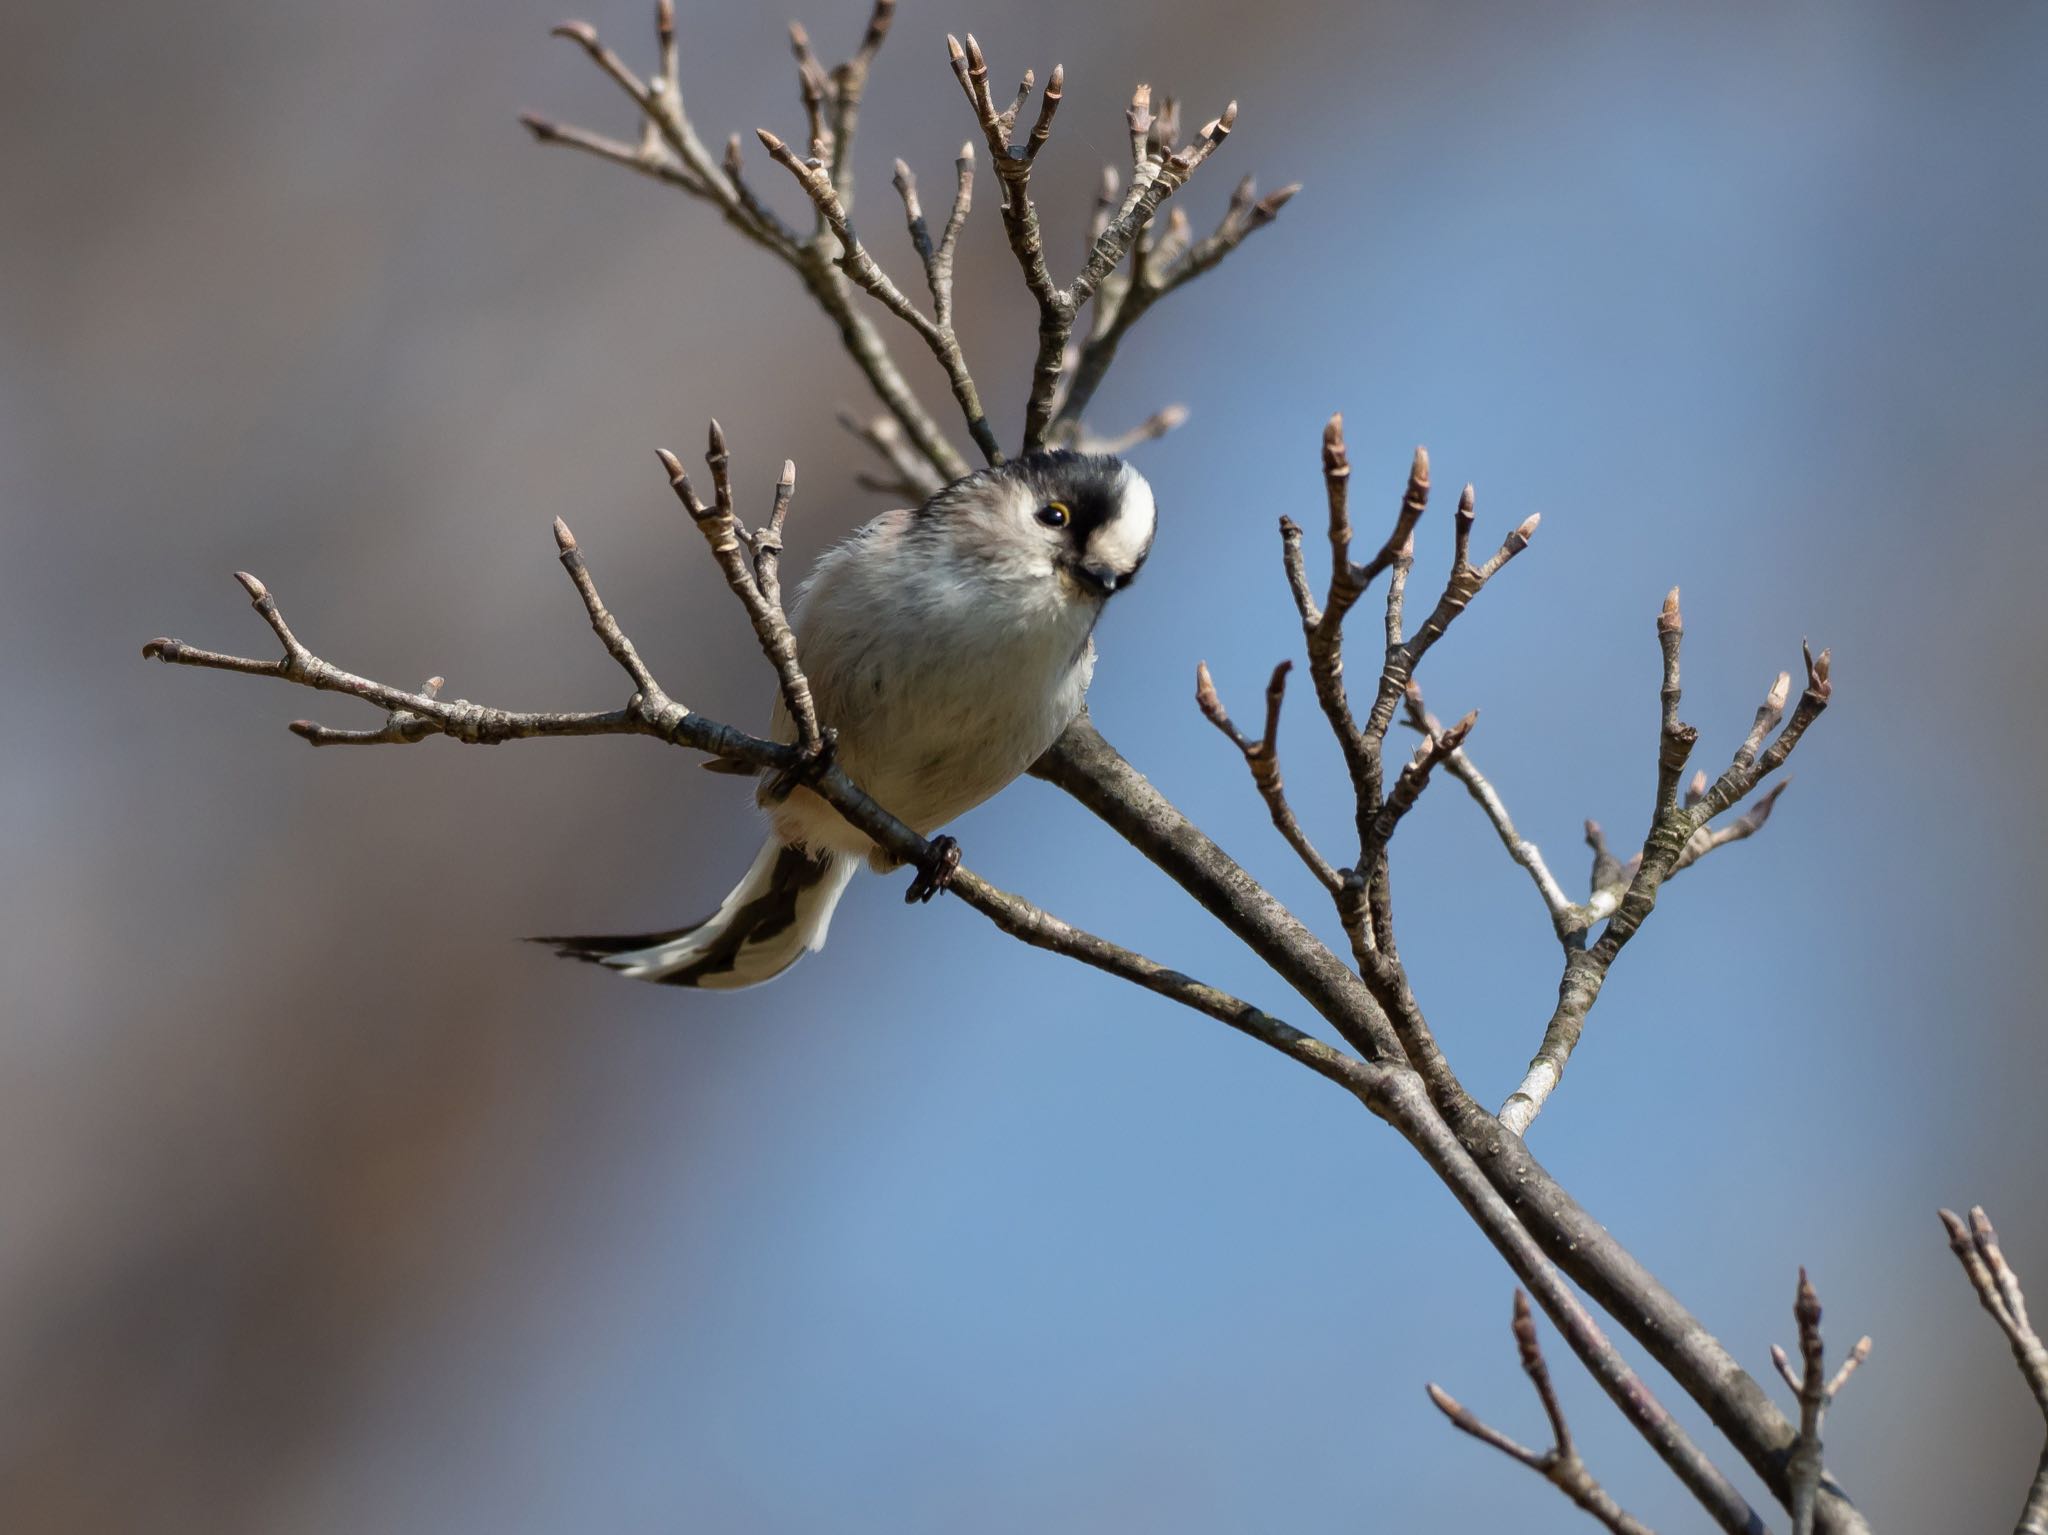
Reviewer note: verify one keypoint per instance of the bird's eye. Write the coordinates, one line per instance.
(1053, 514)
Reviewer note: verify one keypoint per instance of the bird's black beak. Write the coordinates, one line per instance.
(1101, 577)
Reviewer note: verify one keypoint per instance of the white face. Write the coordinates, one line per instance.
(1092, 520)
(1125, 538)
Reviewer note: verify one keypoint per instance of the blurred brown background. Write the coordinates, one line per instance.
(329, 1207)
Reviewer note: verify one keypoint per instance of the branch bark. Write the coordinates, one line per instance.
(1975, 1244)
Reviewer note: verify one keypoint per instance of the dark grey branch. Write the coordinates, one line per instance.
(1502, 1202)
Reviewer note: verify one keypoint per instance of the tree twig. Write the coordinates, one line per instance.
(727, 540)
(1524, 852)
(1158, 172)
(1804, 1467)
(1560, 1465)
(866, 272)
(912, 475)
(690, 168)
(1672, 843)
(1262, 757)
(1975, 1244)
(1151, 280)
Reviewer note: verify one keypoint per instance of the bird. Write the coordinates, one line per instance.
(947, 647)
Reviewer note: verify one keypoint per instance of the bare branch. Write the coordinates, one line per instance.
(634, 158)
(1157, 174)
(1675, 738)
(1089, 769)
(1164, 271)
(1263, 758)
(651, 712)
(1520, 849)
(601, 620)
(1748, 824)
(849, 82)
(401, 727)
(1560, 1465)
(1815, 1391)
(938, 259)
(914, 477)
(1464, 583)
(862, 268)
(1168, 418)
(727, 539)
(693, 171)
(1414, 778)
(1975, 1244)
(1323, 625)
(1679, 836)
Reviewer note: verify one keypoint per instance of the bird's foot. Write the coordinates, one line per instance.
(805, 772)
(935, 871)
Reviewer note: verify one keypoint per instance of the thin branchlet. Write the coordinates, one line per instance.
(1975, 1243)
(674, 153)
(1681, 832)
(1815, 1392)
(1560, 1465)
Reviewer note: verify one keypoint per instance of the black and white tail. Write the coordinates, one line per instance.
(778, 913)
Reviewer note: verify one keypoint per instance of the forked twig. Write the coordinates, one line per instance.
(1559, 1465)
(1815, 1392)
(1975, 1244)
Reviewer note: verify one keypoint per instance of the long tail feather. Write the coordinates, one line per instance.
(776, 915)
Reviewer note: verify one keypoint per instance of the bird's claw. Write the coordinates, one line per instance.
(935, 872)
(808, 769)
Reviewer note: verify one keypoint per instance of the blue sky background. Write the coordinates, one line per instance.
(332, 1209)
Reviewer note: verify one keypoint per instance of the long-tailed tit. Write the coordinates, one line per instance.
(948, 647)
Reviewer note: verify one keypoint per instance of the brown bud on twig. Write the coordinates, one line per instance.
(1335, 460)
(1418, 476)
(1205, 696)
(1669, 619)
(1268, 207)
(1139, 112)
(1818, 668)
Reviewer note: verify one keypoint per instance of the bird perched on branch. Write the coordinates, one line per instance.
(947, 648)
